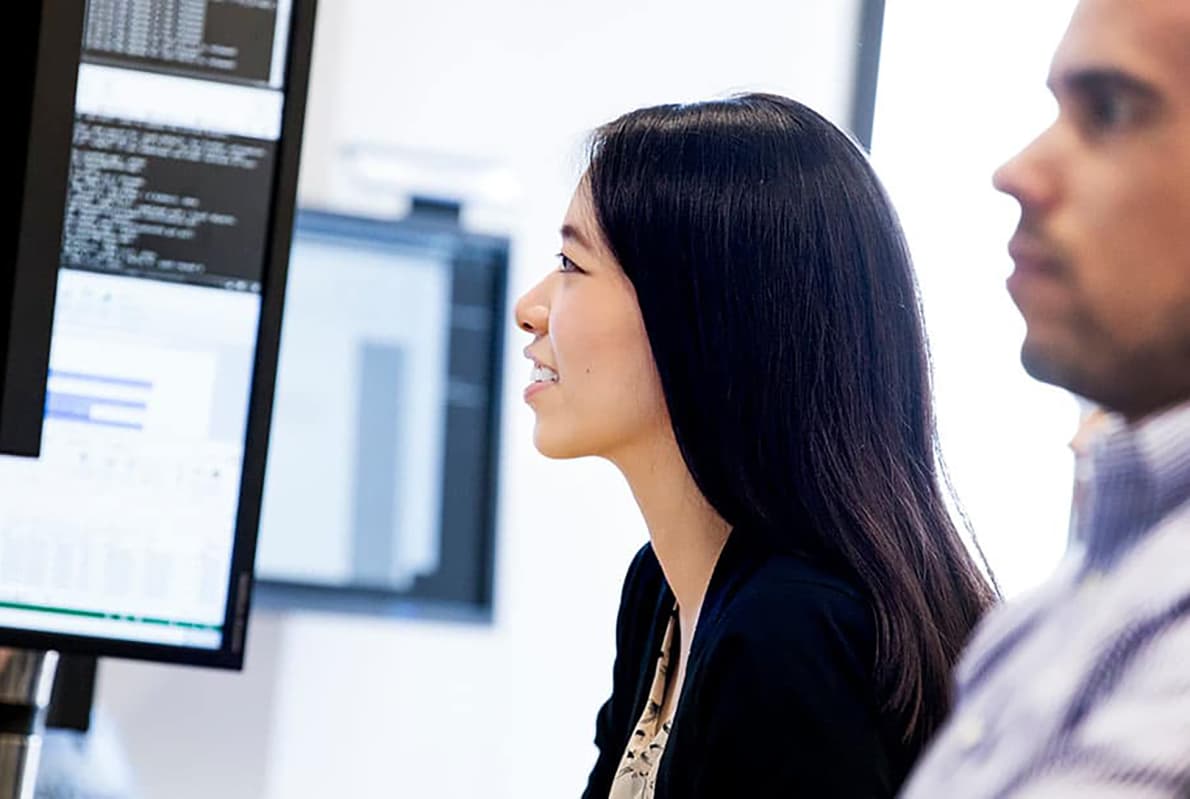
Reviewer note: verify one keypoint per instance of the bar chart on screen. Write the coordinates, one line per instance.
(97, 399)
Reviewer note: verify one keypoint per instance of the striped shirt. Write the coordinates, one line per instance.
(1082, 689)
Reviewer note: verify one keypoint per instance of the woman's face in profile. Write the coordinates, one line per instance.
(594, 386)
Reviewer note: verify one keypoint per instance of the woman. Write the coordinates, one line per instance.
(734, 324)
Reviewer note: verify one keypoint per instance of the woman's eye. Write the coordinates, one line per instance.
(567, 265)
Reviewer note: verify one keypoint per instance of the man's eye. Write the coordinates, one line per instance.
(1110, 113)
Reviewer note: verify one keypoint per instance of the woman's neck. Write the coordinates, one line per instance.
(687, 533)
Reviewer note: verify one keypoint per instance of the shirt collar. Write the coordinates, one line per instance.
(1139, 473)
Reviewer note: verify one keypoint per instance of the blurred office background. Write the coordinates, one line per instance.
(489, 104)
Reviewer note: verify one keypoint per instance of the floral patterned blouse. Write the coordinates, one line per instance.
(637, 776)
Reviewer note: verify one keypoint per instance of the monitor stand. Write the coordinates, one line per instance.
(26, 680)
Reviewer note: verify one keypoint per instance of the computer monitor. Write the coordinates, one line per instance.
(380, 495)
(133, 534)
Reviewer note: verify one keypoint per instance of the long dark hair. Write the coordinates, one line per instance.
(783, 314)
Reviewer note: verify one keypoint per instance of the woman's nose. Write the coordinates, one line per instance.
(532, 314)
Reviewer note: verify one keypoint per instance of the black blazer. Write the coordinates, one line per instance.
(779, 698)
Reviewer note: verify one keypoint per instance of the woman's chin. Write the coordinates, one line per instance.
(555, 450)
(553, 445)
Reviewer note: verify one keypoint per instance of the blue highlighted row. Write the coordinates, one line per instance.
(78, 408)
(78, 417)
(110, 381)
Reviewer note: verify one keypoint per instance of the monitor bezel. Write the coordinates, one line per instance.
(40, 192)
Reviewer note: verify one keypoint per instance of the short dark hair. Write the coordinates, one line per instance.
(781, 306)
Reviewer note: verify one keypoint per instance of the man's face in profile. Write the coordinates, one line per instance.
(1102, 251)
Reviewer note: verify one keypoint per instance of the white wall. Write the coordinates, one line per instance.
(962, 88)
(346, 706)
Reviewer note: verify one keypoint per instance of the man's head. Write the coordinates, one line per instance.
(1103, 248)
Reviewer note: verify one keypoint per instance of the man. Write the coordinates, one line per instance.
(1083, 689)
